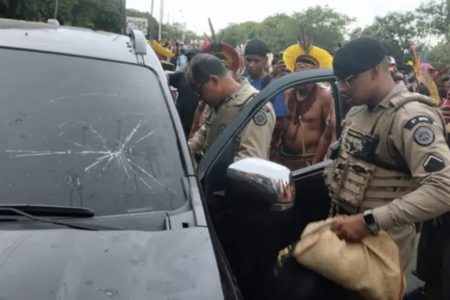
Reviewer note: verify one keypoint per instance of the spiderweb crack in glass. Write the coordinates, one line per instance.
(84, 95)
(107, 156)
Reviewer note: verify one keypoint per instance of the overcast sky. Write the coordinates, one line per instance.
(194, 13)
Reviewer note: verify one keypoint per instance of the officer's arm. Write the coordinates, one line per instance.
(420, 140)
(197, 142)
(256, 138)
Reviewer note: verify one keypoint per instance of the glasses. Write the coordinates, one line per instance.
(346, 81)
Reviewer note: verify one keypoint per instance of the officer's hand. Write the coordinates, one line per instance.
(350, 228)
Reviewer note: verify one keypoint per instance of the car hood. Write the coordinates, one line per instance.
(76, 264)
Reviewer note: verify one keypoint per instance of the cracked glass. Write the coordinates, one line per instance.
(83, 132)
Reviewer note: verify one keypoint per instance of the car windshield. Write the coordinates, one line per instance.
(84, 132)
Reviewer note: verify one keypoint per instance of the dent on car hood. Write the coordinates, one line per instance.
(75, 264)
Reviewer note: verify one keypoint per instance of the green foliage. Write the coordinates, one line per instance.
(177, 31)
(398, 30)
(106, 15)
(440, 54)
(237, 34)
(395, 30)
(434, 17)
(327, 27)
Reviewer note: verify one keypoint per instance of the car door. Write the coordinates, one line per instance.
(212, 168)
(273, 230)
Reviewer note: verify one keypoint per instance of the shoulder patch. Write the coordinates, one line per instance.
(433, 163)
(424, 136)
(260, 118)
(416, 120)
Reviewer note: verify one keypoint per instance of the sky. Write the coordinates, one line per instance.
(195, 13)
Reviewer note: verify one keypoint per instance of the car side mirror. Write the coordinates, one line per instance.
(256, 184)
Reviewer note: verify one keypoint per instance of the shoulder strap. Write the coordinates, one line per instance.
(385, 123)
(405, 98)
(247, 100)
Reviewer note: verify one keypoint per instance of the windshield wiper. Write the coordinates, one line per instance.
(12, 210)
(51, 210)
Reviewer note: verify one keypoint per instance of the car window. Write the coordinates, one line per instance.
(305, 131)
(83, 132)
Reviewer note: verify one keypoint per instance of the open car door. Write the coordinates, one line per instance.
(256, 237)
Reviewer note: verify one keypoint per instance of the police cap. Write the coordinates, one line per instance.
(358, 56)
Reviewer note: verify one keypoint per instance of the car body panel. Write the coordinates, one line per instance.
(169, 256)
(76, 264)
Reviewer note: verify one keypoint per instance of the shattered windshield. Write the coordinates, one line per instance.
(85, 132)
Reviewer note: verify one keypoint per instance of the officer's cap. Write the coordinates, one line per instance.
(358, 56)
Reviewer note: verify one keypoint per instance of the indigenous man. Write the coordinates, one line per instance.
(296, 142)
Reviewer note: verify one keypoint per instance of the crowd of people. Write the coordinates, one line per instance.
(391, 170)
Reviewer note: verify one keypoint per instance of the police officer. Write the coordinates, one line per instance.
(225, 98)
(393, 166)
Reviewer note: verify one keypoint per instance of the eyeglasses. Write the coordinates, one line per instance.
(346, 81)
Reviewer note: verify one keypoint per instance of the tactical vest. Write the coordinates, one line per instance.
(363, 178)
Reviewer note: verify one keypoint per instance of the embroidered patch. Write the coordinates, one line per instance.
(260, 118)
(433, 163)
(416, 120)
(424, 136)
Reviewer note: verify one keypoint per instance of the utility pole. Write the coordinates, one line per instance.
(151, 10)
(55, 14)
(125, 23)
(161, 19)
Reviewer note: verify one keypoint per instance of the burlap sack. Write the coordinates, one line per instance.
(371, 268)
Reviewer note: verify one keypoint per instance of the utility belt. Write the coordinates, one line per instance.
(294, 161)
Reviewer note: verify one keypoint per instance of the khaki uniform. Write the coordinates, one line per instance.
(253, 141)
(405, 178)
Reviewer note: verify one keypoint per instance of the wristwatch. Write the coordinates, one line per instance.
(371, 223)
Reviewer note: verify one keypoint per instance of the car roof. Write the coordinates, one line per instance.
(69, 40)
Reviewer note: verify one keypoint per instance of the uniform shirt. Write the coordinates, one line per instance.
(418, 135)
(253, 141)
(277, 102)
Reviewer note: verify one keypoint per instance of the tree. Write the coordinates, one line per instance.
(440, 54)
(396, 31)
(178, 32)
(237, 34)
(434, 17)
(327, 27)
(107, 15)
(275, 31)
